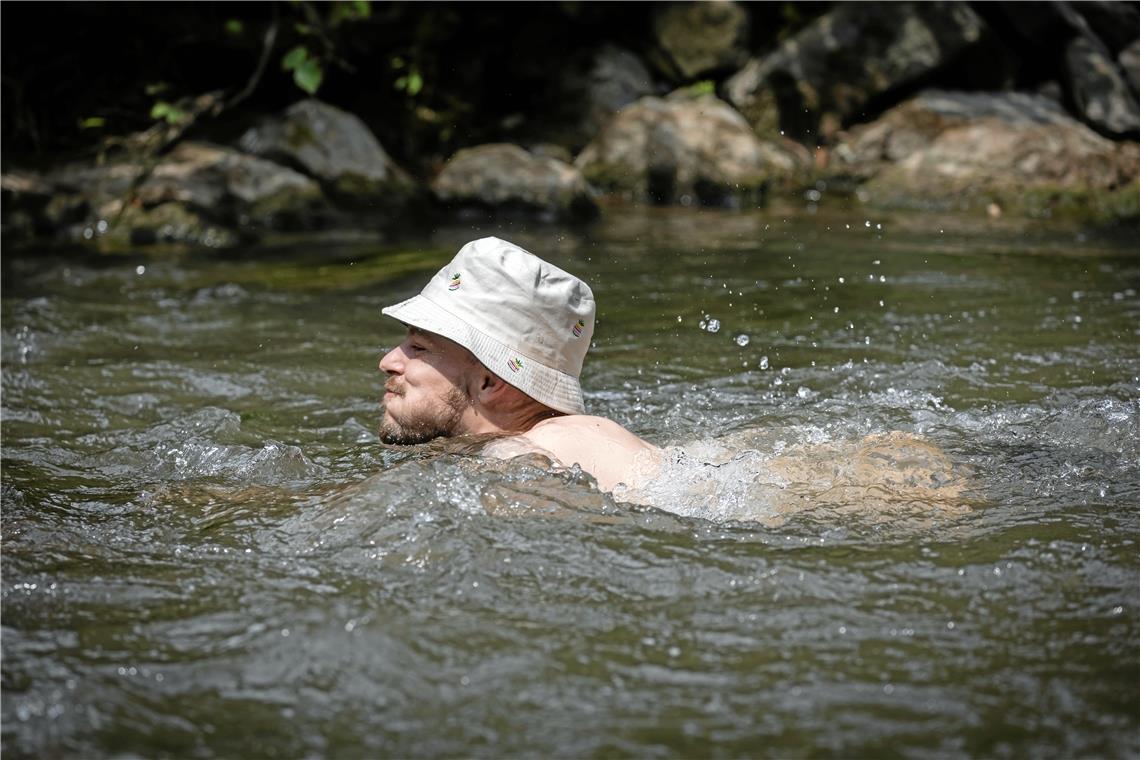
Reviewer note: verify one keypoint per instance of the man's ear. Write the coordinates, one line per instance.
(486, 387)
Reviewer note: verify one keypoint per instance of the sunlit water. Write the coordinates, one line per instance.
(207, 552)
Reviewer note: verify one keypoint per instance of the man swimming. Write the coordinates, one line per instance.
(495, 346)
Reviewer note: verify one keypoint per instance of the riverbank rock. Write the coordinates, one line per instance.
(198, 194)
(504, 178)
(695, 39)
(1129, 59)
(336, 149)
(824, 76)
(1099, 90)
(685, 150)
(593, 86)
(234, 188)
(945, 150)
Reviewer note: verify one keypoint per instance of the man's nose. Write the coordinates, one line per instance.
(393, 361)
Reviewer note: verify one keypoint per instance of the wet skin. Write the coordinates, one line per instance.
(424, 395)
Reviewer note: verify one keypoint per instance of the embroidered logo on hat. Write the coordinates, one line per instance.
(515, 364)
(455, 283)
(578, 328)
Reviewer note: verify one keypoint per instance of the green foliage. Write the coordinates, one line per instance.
(356, 10)
(410, 82)
(234, 27)
(92, 122)
(705, 87)
(169, 112)
(306, 68)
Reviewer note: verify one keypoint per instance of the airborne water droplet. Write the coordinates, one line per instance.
(763, 362)
(742, 340)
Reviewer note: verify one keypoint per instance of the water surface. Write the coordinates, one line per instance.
(208, 553)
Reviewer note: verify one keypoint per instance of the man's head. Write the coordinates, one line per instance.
(497, 336)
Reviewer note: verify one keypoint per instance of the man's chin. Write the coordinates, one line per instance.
(395, 434)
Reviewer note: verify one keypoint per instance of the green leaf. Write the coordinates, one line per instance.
(92, 122)
(156, 87)
(295, 58)
(234, 27)
(415, 83)
(705, 87)
(172, 114)
(308, 76)
(363, 8)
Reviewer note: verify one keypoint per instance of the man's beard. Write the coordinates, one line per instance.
(422, 426)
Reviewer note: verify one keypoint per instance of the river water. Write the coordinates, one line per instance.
(208, 553)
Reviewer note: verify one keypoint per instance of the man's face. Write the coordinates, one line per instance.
(424, 396)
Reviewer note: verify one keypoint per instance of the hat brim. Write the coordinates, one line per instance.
(556, 389)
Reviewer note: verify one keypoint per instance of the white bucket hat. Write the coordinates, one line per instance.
(528, 321)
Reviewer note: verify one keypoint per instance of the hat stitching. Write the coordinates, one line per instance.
(512, 349)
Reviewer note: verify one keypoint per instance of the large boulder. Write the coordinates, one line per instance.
(335, 148)
(504, 178)
(962, 150)
(1099, 90)
(235, 188)
(695, 39)
(685, 150)
(592, 86)
(198, 194)
(1129, 60)
(825, 76)
(1083, 45)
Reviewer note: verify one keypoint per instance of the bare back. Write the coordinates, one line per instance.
(599, 446)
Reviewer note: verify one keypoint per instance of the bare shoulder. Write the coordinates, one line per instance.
(583, 429)
(598, 445)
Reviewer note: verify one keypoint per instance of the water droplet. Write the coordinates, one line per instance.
(841, 281)
(867, 223)
(140, 269)
(742, 340)
(763, 362)
(713, 325)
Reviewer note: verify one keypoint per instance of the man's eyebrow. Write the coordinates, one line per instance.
(419, 334)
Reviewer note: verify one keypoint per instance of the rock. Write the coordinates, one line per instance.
(1129, 60)
(826, 75)
(235, 188)
(500, 177)
(685, 150)
(962, 150)
(616, 78)
(165, 224)
(695, 39)
(586, 93)
(1098, 89)
(1117, 24)
(335, 148)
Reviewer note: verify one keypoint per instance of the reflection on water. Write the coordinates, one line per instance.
(900, 518)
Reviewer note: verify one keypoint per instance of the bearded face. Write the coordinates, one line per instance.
(423, 418)
(424, 397)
